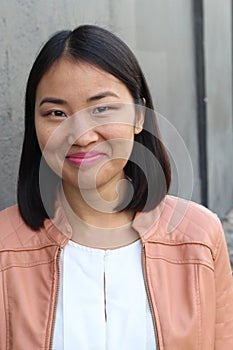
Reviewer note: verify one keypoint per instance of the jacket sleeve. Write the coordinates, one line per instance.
(224, 296)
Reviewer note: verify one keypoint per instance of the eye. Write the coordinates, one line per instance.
(58, 113)
(100, 109)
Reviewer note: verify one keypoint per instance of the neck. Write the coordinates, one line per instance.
(94, 221)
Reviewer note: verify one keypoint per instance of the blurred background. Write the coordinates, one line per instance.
(185, 50)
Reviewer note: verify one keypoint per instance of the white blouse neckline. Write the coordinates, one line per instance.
(95, 283)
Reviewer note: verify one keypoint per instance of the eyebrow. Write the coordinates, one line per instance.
(96, 97)
(54, 100)
(102, 95)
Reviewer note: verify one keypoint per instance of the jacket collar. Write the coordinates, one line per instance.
(151, 225)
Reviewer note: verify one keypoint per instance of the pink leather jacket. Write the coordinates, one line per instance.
(186, 268)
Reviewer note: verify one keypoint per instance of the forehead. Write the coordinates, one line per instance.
(69, 77)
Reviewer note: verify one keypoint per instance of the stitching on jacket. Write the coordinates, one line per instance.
(219, 241)
(186, 234)
(179, 262)
(197, 292)
(224, 323)
(51, 239)
(6, 306)
(202, 261)
(28, 248)
(192, 208)
(157, 313)
(24, 265)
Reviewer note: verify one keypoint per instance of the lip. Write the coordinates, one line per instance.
(85, 158)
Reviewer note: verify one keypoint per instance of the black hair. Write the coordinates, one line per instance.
(103, 49)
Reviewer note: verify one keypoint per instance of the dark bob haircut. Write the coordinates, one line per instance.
(101, 48)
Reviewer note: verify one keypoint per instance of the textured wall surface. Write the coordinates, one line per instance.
(24, 26)
(165, 41)
(159, 32)
(218, 48)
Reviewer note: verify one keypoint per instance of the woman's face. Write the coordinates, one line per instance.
(85, 123)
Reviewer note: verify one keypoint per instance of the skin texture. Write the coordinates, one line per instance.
(80, 109)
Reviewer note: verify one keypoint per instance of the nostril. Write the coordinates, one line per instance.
(82, 139)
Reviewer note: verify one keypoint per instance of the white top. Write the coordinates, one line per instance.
(102, 301)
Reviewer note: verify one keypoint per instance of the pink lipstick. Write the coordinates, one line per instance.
(85, 158)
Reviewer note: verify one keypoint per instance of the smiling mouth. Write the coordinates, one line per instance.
(85, 158)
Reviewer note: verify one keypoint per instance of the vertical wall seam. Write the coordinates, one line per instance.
(198, 23)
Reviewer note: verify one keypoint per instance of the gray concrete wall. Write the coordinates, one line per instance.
(164, 44)
(160, 32)
(166, 48)
(218, 62)
(24, 26)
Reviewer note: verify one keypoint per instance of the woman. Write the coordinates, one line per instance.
(96, 255)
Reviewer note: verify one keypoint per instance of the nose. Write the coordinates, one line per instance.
(82, 132)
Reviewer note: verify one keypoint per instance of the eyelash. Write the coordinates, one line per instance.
(52, 113)
(100, 110)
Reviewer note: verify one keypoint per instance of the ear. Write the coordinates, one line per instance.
(140, 117)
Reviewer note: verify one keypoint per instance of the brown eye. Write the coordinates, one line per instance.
(58, 113)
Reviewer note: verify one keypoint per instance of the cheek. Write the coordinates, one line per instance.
(51, 145)
(42, 134)
(48, 139)
(121, 140)
(121, 149)
(42, 140)
(115, 132)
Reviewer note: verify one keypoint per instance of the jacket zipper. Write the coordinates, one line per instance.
(149, 296)
(56, 297)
